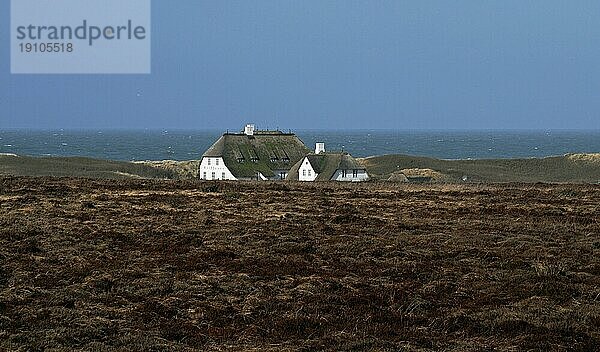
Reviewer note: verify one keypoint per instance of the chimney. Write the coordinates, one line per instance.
(320, 148)
(249, 130)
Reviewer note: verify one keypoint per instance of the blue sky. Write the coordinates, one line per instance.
(316, 64)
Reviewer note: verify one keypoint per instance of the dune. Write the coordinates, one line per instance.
(570, 168)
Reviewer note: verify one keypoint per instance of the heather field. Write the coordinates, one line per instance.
(156, 265)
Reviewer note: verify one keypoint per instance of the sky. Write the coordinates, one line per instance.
(323, 64)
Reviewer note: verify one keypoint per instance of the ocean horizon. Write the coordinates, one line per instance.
(136, 145)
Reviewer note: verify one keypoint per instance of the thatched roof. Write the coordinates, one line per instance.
(264, 152)
(326, 164)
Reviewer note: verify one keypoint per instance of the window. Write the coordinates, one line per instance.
(204, 176)
(213, 176)
(309, 173)
(344, 173)
(354, 173)
(208, 161)
(223, 176)
(304, 173)
(217, 162)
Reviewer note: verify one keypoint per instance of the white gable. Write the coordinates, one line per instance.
(214, 168)
(306, 171)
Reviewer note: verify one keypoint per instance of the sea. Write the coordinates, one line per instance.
(189, 145)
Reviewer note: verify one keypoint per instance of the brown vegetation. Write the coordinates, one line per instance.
(166, 265)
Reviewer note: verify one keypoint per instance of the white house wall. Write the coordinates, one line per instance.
(216, 170)
(361, 176)
(306, 172)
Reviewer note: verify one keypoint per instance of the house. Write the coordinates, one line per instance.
(252, 155)
(324, 166)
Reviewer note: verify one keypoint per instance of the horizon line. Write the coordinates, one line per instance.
(233, 130)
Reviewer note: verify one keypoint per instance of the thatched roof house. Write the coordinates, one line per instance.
(323, 166)
(252, 154)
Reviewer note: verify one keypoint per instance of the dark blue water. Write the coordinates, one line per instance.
(156, 145)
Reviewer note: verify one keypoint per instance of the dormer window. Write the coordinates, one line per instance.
(274, 160)
(240, 160)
